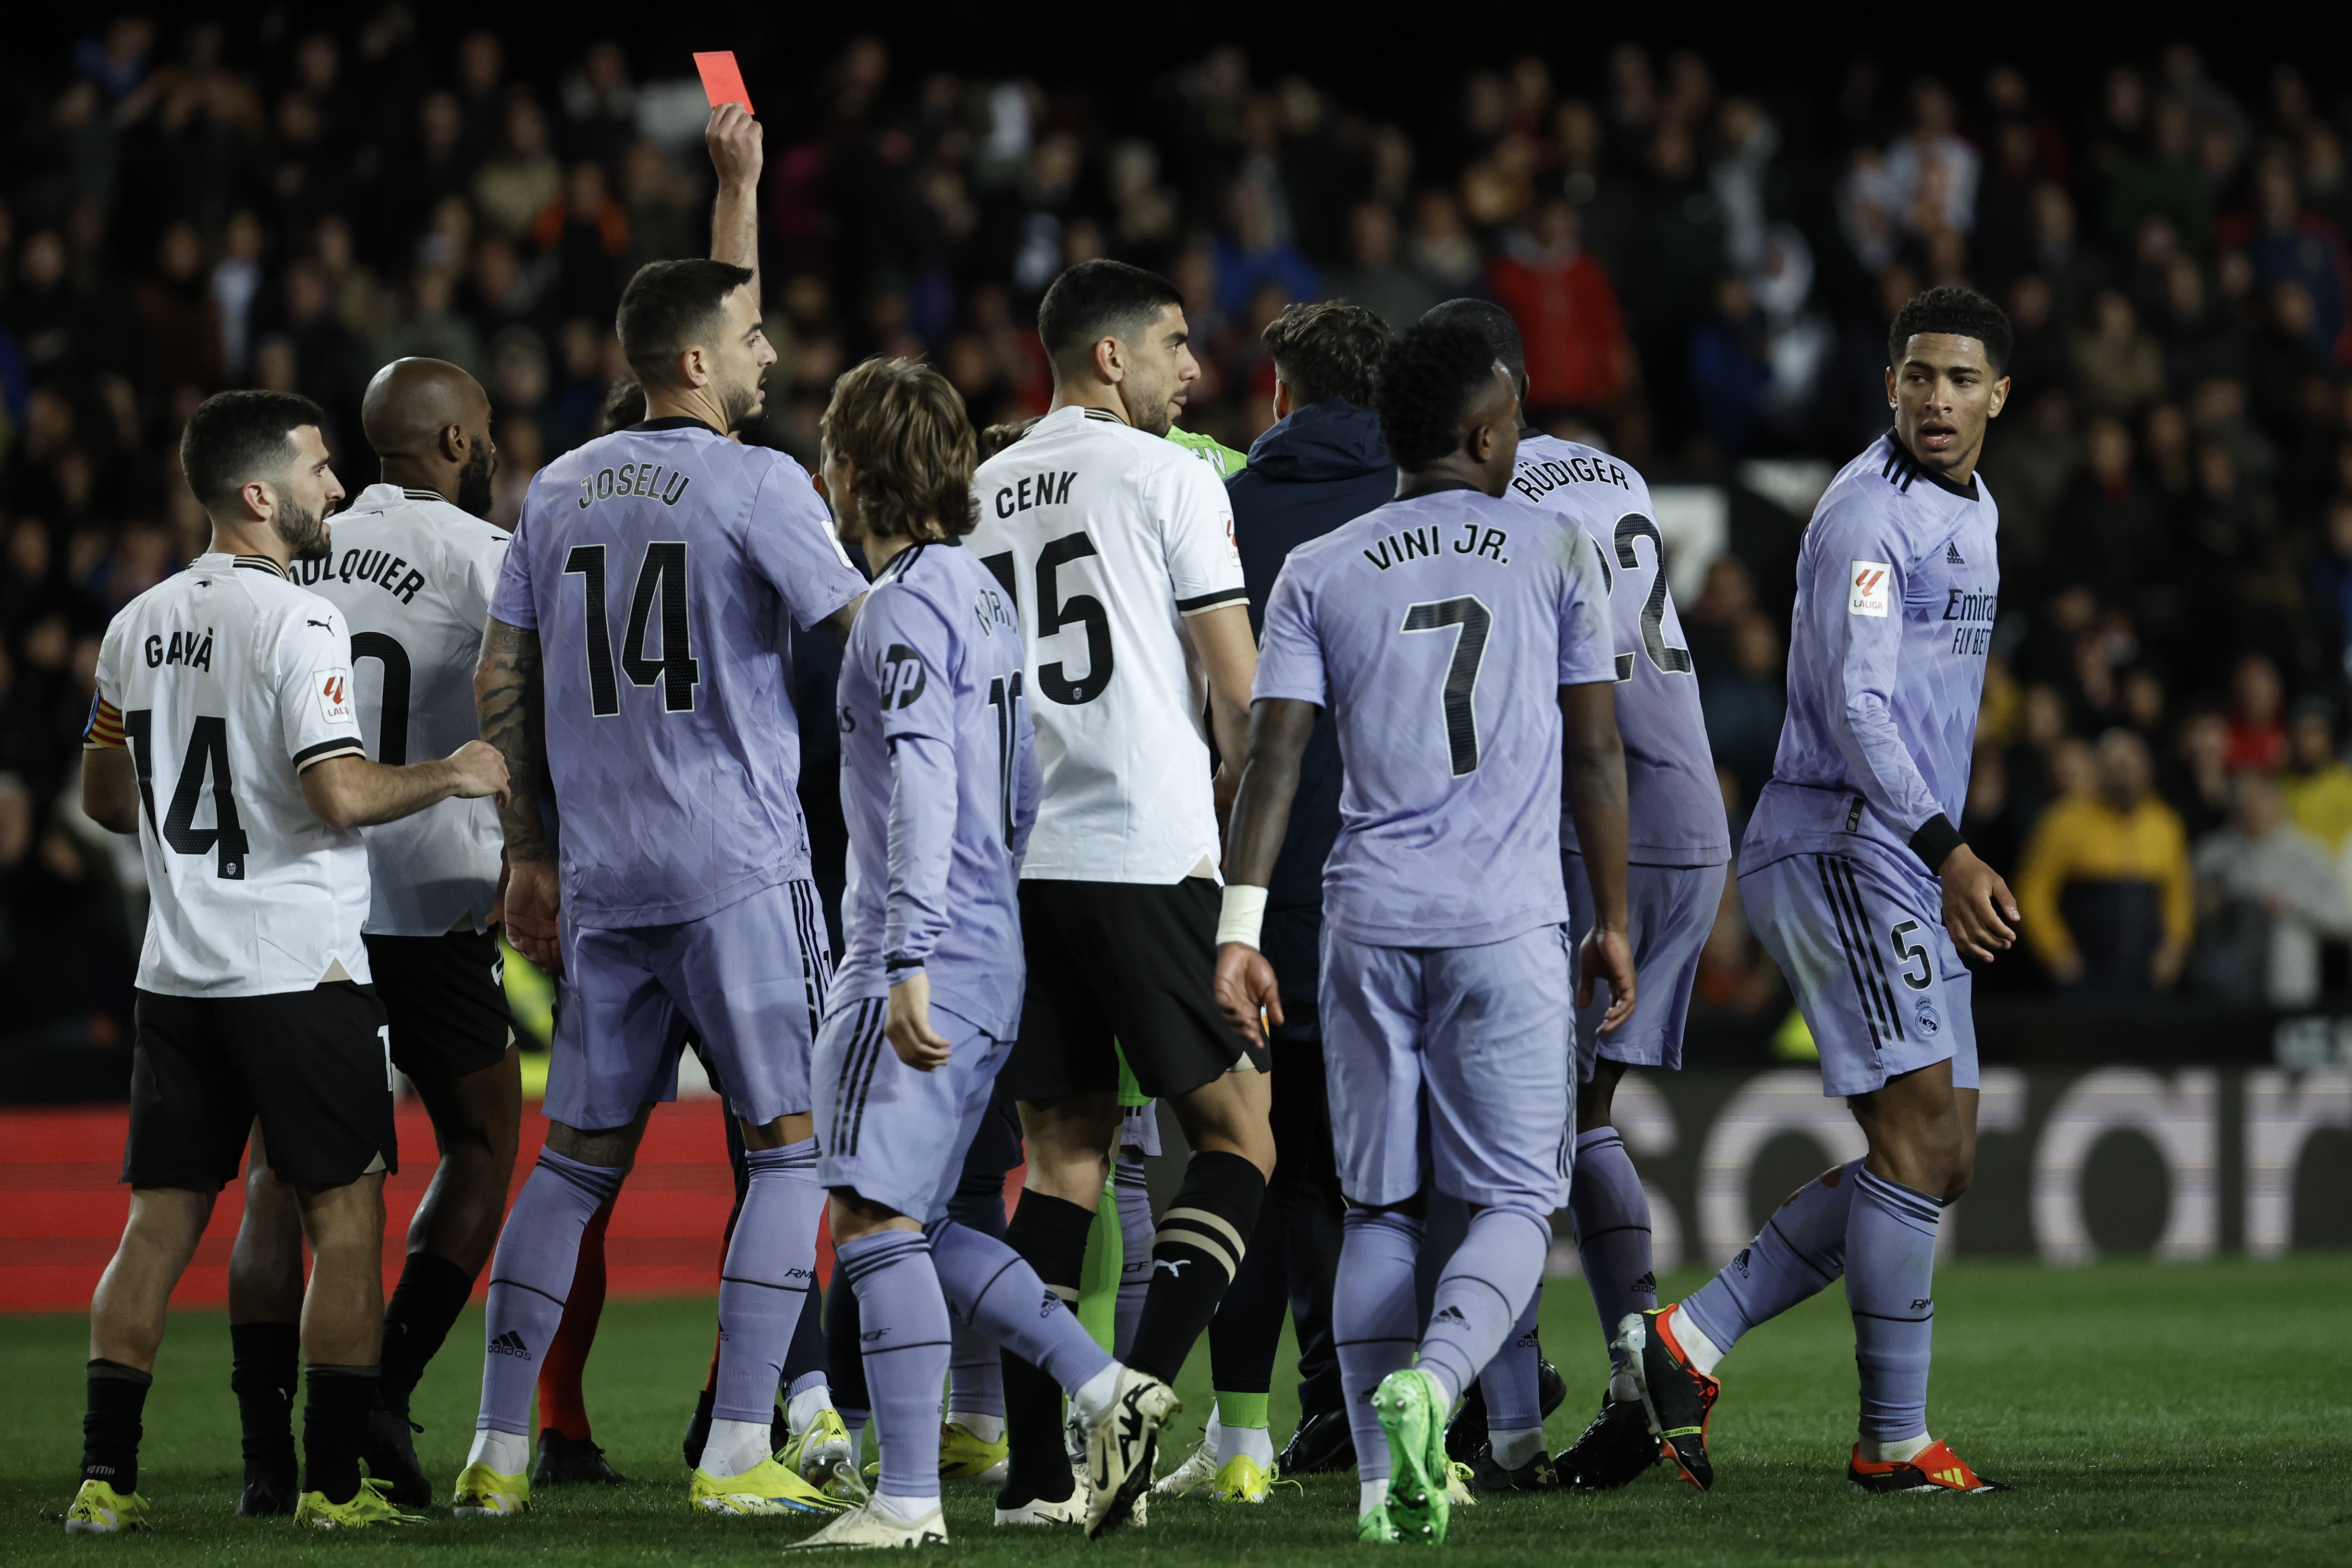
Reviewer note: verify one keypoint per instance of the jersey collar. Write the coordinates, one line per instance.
(249, 562)
(1901, 468)
(676, 421)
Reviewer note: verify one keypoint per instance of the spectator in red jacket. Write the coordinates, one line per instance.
(1578, 357)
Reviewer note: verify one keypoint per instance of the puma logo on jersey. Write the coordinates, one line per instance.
(322, 625)
(183, 648)
(1173, 1265)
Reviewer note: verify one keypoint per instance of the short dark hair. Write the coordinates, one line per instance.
(625, 404)
(1430, 377)
(1328, 349)
(1100, 298)
(904, 428)
(1502, 331)
(665, 305)
(234, 437)
(1963, 313)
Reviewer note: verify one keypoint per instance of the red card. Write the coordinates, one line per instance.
(722, 80)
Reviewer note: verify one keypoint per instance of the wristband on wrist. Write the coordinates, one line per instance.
(1243, 914)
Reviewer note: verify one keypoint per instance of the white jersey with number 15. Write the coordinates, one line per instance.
(1108, 538)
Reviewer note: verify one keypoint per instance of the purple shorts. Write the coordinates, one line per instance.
(1673, 909)
(892, 1134)
(1861, 941)
(749, 979)
(1450, 1063)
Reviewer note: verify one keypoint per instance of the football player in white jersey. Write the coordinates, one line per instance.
(412, 570)
(224, 733)
(1117, 547)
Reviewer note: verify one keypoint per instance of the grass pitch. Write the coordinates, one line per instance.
(2145, 1413)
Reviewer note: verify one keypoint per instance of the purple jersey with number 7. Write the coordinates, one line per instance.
(1437, 632)
(662, 567)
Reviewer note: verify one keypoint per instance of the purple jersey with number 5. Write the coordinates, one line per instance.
(662, 567)
(1437, 632)
(1672, 798)
(1897, 582)
(939, 787)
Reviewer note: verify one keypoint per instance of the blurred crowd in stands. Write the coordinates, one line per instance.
(1703, 264)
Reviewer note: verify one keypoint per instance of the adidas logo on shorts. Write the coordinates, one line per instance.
(510, 1344)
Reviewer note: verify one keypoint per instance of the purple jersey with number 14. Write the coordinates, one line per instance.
(1674, 805)
(1437, 632)
(662, 567)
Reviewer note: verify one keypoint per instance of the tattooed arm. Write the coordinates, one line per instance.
(510, 698)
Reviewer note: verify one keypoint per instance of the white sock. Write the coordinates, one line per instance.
(1622, 1389)
(903, 1509)
(1092, 1398)
(1515, 1445)
(1371, 1494)
(987, 1428)
(1446, 1393)
(1254, 1443)
(735, 1447)
(506, 1453)
(1896, 1451)
(1696, 1344)
(1213, 1439)
(802, 1409)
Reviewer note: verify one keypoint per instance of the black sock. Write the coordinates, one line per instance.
(1050, 1235)
(431, 1293)
(109, 1426)
(334, 1424)
(845, 1362)
(809, 1350)
(1200, 1246)
(266, 1363)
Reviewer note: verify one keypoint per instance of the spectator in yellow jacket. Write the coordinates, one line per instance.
(2317, 786)
(2104, 881)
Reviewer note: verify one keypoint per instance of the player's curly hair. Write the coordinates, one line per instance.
(1431, 374)
(1962, 312)
(904, 428)
(1328, 349)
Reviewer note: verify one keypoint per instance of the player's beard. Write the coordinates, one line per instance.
(304, 533)
(742, 407)
(1149, 412)
(475, 489)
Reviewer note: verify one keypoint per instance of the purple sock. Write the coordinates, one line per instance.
(904, 1325)
(1514, 1399)
(539, 1248)
(1372, 1316)
(769, 1267)
(1797, 1255)
(975, 1374)
(990, 1287)
(1135, 1231)
(1613, 1230)
(1484, 1289)
(1890, 1281)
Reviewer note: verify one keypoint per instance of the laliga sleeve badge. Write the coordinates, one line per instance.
(335, 688)
(1869, 589)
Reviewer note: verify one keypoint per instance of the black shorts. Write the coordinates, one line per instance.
(1130, 962)
(312, 1064)
(446, 998)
